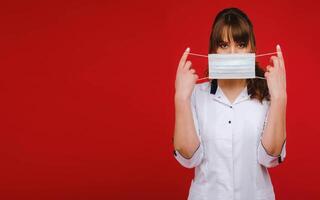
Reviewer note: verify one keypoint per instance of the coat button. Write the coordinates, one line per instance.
(229, 122)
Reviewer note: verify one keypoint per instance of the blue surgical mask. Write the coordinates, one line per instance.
(232, 66)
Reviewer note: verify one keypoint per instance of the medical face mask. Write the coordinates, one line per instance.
(232, 66)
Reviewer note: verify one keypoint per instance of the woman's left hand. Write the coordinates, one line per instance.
(276, 77)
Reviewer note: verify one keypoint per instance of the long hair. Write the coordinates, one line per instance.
(239, 29)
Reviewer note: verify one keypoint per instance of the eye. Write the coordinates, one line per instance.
(223, 45)
(241, 45)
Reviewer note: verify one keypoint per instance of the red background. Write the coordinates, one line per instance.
(87, 95)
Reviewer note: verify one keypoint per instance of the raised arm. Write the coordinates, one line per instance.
(186, 138)
(274, 135)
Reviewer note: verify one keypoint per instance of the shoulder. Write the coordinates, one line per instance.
(202, 87)
(200, 91)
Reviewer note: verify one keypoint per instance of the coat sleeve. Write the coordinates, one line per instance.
(197, 156)
(266, 159)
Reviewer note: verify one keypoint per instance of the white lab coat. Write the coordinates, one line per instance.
(230, 162)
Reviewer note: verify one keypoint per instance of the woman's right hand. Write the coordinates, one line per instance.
(185, 79)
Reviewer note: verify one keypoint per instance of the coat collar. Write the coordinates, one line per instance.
(218, 95)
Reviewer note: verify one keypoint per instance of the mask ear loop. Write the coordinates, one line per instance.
(204, 56)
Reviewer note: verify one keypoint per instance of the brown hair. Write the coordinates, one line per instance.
(240, 28)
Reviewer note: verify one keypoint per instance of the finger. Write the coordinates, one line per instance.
(266, 75)
(192, 71)
(279, 52)
(280, 56)
(269, 67)
(275, 61)
(184, 58)
(188, 65)
(196, 76)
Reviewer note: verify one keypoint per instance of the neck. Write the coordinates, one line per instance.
(232, 87)
(231, 84)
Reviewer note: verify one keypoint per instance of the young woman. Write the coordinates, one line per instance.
(231, 130)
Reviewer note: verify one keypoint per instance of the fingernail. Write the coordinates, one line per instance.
(278, 46)
(188, 49)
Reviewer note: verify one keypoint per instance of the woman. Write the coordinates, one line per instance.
(231, 130)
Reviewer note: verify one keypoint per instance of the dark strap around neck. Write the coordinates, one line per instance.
(214, 86)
